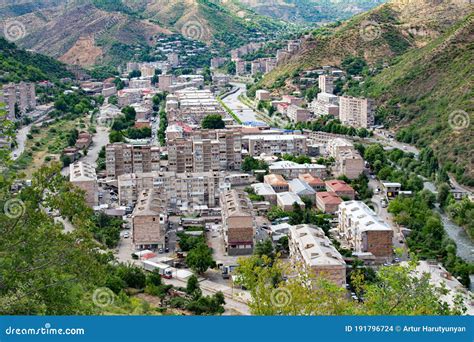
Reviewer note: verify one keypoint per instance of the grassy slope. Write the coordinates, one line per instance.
(17, 65)
(428, 84)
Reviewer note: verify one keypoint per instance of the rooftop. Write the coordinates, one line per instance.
(315, 247)
(362, 214)
(289, 198)
(82, 171)
(329, 198)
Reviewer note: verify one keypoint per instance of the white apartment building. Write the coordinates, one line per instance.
(363, 231)
(271, 144)
(83, 175)
(311, 247)
(356, 112)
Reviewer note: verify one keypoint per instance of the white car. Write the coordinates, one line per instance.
(126, 235)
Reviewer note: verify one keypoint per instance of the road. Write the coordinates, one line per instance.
(21, 137)
(244, 112)
(380, 136)
(100, 139)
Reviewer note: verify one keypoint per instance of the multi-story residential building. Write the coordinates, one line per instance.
(328, 202)
(356, 112)
(238, 222)
(277, 182)
(297, 114)
(349, 163)
(262, 95)
(326, 84)
(240, 67)
(364, 231)
(193, 105)
(140, 83)
(181, 191)
(290, 169)
(309, 245)
(325, 104)
(21, 96)
(83, 176)
(335, 146)
(123, 158)
(206, 150)
(217, 62)
(173, 59)
(341, 188)
(149, 220)
(271, 144)
(126, 97)
(165, 82)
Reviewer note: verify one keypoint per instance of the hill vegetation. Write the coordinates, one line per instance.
(18, 65)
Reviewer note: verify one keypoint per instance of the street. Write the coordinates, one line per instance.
(244, 112)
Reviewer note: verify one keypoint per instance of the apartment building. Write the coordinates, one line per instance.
(356, 112)
(335, 146)
(262, 95)
(238, 222)
(271, 144)
(206, 150)
(310, 246)
(121, 158)
(325, 104)
(297, 114)
(348, 160)
(193, 105)
(82, 175)
(290, 169)
(21, 96)
(180, 191)
(149, 220)
(326, 84)
(364, 231)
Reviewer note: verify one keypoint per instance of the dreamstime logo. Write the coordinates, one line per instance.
(193, 30)
(280, 297)
(370, 30)
(14, 208)
(459, 120)
(103, 297)
(14, 30)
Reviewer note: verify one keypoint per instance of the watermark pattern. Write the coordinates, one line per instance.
(459, 120)
(14, 30)
(193, 30)
(103, 297)
(14, 208)
(370, 30)
(280, 297)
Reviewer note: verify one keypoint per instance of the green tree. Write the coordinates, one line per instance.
(199, 259)
(213, 121)
(264, 248)
(192, 284)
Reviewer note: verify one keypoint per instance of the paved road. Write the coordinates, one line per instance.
(244, 112)
(21, 141)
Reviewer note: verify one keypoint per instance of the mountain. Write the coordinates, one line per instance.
(426, 92)
(427, 96)
(18, 65)
(311, 11)
(378, 35)
(88, 32)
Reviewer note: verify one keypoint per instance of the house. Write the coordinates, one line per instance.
(328, 202)
(302, 189)
(341, 188)
(286, 200)
(277, 182)
(84, 140)
(316, 183)
(267, 191)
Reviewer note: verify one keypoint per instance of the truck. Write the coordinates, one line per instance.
(166, 271)
(227, 270)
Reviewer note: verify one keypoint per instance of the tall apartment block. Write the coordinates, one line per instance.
(356, 112)
(206, 150)
(326, 84)
(22, 95)
(122, 158)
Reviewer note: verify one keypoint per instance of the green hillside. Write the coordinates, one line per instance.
(19, 65)
(428, 95)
